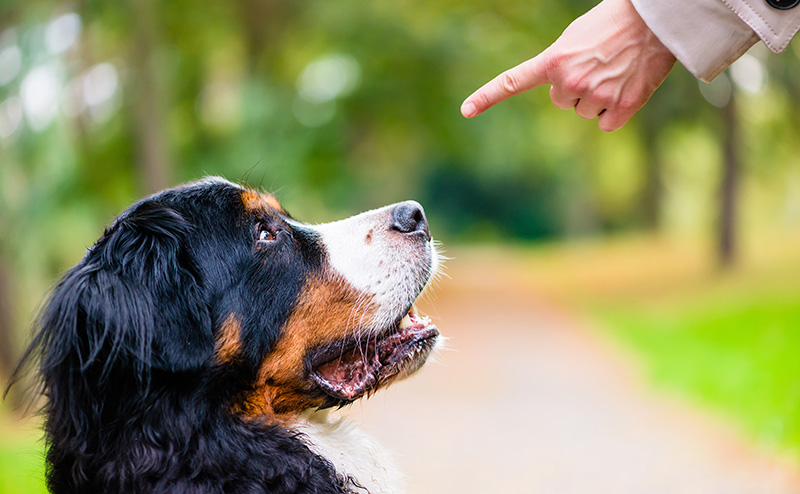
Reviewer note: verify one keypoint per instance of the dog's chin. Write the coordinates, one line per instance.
(348, 369)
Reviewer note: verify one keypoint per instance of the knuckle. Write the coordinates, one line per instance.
(627, 105)
(611, 128)
(559, 101)
(509, 82)
(482, 101)
(602, 98)
(586, 114)
(554, 63)
(610, 122)
(574, 85)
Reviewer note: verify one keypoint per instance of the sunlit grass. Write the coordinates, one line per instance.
(740, 357)
(21, 456)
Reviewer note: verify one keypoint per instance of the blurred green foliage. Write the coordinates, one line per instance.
(339, 108)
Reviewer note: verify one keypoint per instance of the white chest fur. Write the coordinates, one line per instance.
(351, 452)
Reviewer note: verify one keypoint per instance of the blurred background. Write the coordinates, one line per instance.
(669, 250)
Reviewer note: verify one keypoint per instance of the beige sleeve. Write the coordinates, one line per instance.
(706, 36)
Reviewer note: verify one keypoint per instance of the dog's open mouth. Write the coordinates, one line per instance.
(349, 369)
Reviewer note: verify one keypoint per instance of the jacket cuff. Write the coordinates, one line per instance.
(775, 27)
(706, 36)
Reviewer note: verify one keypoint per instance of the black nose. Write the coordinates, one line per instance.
(409, 217)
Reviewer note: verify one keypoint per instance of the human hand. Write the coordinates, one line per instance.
(606, 64)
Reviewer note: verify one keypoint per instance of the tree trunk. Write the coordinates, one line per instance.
(255, 16)
(727, 246)
(263, 24)
(8, 348)
(149, 107)
(652, 188)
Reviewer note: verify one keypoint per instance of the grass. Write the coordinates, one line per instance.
(740, 356)
(728, 341)
(21, 456)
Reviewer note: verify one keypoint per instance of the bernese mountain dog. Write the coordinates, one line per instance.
(200, 343)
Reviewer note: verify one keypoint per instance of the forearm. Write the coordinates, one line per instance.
(706, 36)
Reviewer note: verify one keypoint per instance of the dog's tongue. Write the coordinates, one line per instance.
(361, 369)
(351, 375)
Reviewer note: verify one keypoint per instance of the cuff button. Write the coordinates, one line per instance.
(783, 4)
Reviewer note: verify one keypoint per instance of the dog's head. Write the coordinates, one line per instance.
(216, 285)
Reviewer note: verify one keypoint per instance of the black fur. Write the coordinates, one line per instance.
(135, 400)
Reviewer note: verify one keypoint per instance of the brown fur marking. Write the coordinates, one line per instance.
(329, 310)
(255, 201)
(229, 341)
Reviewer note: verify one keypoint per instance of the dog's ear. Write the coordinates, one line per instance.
(135, 299)
(152, 249)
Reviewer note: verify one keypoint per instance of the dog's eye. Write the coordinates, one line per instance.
(265, 235)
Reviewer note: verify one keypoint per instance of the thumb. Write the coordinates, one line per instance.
(525, 76)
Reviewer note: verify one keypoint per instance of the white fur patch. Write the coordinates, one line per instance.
(351, 452)
(378, 261)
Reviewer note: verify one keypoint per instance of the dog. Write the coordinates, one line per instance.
(200, 343)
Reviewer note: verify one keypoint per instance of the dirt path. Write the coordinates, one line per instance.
(529, 402)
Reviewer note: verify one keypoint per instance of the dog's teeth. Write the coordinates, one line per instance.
(405, 322)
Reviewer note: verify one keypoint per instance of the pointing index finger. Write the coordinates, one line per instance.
(521, 78)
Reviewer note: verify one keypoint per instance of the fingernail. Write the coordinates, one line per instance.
(468, 110)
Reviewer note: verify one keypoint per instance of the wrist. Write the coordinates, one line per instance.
(624, 13)
(704, 35)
